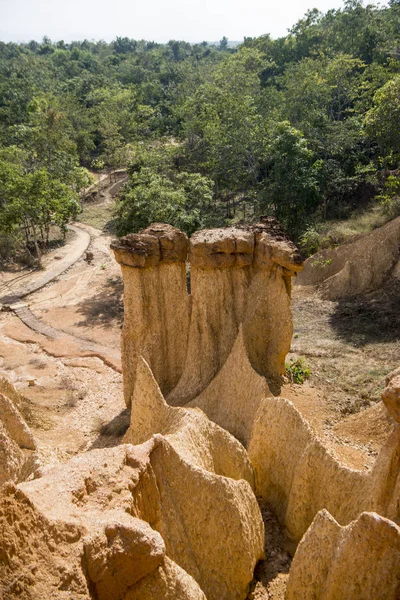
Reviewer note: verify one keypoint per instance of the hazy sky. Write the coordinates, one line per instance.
(158, 20)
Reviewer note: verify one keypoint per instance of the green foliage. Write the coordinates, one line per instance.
(292, 198)
(298, 370)
(321, 263)
(162, 193)
(390, 198)
(31, 201)
(222, 129)
(299, 127)
(382, 120)
(310, 241)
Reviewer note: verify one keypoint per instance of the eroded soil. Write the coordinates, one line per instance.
(74, 398)
(351, 346)
(75, 402)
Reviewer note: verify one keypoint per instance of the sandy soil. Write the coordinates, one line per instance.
(76, 402)
(350, 347)
(271, 574)
(73, 398)
(86, 301)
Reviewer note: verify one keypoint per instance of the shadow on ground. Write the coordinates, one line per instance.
(278, 558)
(111, 226)
(373, 318)
(110, 434)
(106, 309)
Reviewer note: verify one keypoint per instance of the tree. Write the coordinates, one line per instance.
(222, 127)
(291, 189)
(47, 139)
(382, 120)
(158, 190)
(223, 45)
(31, 202)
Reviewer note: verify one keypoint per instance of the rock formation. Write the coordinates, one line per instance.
(88, 529)
(238, 276)
(239, 331)
(360, 561)
(156, 316)
(172, 512)
(298, 484)
(16, 439)
(219, 552)
(234, 395)
(111, 518)
(359, 266)
(391, 394)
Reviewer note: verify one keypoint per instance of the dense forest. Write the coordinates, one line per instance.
(304, 127)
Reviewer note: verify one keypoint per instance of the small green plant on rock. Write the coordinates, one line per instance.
(321, 263)
(298, 370)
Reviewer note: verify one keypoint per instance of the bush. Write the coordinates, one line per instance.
(181, 200)
(298, 370)
(391, 207)
(310, 241)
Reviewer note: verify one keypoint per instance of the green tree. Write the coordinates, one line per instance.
(31, 202)
(291, 190)
(382, 120)
(222, 127)
(178, 198)
(223, 45)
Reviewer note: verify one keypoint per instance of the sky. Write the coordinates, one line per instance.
(155, 20)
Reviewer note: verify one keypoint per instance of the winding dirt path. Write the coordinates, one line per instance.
(13, 301)
(74, 251)
(59, 343)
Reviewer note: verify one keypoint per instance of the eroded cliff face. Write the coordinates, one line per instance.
(239, 330)
(156, 304)
(357, 267)
(172, 512)
(174, 515)
(360, 561)
(299, 483)
(89, 529)
(16, 440)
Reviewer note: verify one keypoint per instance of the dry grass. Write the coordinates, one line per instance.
(333, 233)
(357, 224)
(39, 419)
(98, 215)
(73, 393)
(38, 363)
(350, 346)
(97, 424)
(66, 383)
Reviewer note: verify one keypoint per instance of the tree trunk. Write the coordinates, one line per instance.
(35, 241)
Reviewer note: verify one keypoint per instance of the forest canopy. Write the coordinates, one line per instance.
(304, 127)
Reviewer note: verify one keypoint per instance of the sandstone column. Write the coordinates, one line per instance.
(156, 304)
(238, 276)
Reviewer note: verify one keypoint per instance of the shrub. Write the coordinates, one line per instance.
(390, 199)
(298, 370)
(310, 241)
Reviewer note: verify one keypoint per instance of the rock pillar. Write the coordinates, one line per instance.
(239, 276)
(156, 304)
